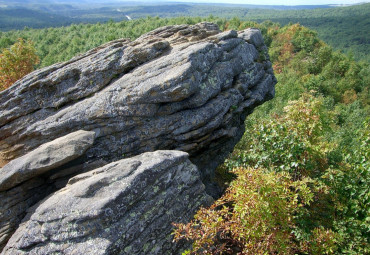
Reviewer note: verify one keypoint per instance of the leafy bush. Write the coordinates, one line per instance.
(255, 216)
(293, 142)
(350, 185)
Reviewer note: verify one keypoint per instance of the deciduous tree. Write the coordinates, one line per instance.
(17, 61)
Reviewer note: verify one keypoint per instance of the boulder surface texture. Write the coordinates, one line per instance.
(125, 207)
(70, 133)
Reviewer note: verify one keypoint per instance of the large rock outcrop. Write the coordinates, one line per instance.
(182, 88)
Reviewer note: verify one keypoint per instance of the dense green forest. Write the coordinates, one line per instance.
(344, 28)
(298, 181)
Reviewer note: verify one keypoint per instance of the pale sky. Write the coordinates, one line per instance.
(281, 2)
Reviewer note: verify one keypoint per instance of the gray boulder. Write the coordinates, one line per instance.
(23, 181)
(125, 207)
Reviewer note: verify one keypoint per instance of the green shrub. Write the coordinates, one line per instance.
(255, 216)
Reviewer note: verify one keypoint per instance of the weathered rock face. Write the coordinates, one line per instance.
(172, 88)
(182, 88)
(27, 179)
(125, 207)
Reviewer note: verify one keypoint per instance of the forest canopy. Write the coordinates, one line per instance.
(344, 28)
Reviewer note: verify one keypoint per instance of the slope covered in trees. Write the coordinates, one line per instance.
(20, 18)
(299, 178)
(344, 28)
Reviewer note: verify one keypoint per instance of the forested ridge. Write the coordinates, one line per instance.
(298, 181)
(344, 28)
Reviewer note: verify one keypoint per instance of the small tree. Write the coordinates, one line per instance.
(17, 61)
(255, 216)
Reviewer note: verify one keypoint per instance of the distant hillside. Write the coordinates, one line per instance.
(18, 14)
(20, 18)
(54, 16)
(344, 28)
